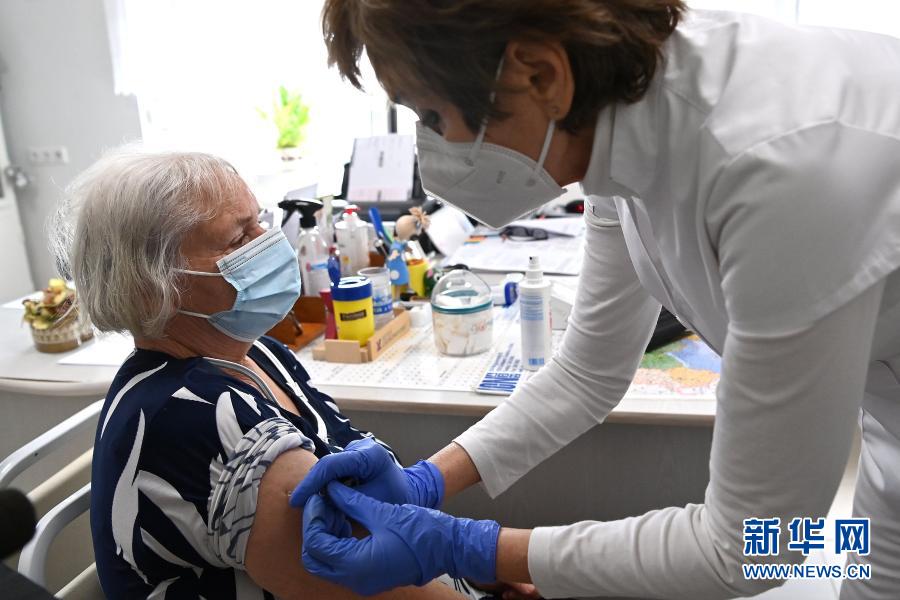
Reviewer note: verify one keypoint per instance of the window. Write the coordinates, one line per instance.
(867, 15)
(784, 10)
(203, 70)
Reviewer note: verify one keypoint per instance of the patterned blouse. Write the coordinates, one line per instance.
(180, 449)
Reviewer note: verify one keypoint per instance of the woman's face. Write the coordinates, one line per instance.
(235, 224)
(543, 77)
(523, 131)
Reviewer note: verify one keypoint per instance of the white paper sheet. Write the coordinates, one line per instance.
(449, 229)
(110, 350)
(381, 169)
(559, 255)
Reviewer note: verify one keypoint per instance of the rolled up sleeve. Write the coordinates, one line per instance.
(232, 506)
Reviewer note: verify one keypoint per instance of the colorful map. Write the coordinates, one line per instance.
(686, 367)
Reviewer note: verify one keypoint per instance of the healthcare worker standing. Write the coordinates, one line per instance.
(741, 172)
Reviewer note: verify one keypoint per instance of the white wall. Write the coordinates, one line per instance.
(56, 89)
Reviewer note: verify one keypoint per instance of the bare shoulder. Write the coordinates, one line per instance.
(273, 550)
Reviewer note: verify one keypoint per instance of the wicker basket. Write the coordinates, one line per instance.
(67, 334)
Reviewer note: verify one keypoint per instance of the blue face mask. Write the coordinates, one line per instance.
(266, 276)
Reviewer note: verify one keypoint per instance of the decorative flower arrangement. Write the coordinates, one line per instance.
(56, 325)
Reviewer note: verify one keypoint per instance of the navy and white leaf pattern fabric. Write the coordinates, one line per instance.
(180, 449)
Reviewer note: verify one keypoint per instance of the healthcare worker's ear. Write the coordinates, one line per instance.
(543, 71)
(536, 86)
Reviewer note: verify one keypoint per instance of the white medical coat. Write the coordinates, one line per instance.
(755, 192)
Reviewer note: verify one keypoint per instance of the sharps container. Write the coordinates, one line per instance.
(353, 310)
(382, 299)
(461, 312)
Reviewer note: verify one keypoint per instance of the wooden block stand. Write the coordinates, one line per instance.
(349, 351)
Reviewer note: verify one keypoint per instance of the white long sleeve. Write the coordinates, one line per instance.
(787, 408)
(608, 330)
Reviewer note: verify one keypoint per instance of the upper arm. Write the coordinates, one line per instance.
(273, 550)
(787, 409)
(803, 223)
(607, 332)
(613, 314)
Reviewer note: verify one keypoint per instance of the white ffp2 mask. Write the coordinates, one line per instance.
(490, 183)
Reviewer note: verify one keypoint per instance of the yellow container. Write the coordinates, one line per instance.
(354, 312)
(417, 268)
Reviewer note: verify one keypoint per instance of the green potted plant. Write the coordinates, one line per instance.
(290, 116)
(55, 322)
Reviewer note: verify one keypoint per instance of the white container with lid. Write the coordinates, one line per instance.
(352, 235)
(462, 314)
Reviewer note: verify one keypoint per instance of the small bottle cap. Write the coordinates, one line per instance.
(534, 272)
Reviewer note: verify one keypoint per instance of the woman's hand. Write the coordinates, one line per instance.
(376, 475)
(407, 544)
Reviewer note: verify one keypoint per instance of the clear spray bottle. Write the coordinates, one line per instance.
(312, 250)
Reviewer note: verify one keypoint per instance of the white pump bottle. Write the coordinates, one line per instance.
(534, 314)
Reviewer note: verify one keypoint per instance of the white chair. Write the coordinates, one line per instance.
(33, 558)
(14, 464)
(52, 500)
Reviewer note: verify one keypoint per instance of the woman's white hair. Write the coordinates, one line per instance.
(119, 229)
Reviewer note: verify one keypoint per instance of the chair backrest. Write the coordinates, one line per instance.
(85, 586)
(57, 514)
(33, 558)
(35, 450)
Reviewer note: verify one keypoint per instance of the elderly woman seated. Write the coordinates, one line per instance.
(208, 426)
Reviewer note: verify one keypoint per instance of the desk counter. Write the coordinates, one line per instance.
(26, 372)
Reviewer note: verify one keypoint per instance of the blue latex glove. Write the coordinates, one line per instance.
(377, 475)
(407, 544)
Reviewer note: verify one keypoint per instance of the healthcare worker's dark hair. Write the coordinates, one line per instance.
(451, 48)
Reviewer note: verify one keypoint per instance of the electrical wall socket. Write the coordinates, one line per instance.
(48, 155)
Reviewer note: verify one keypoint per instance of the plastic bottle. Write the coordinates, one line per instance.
(326, 220)
(330, 322)
(534, 314)
(361, 242)
(382, 300)
(312, 250)
(353, 242)
(334, 266)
